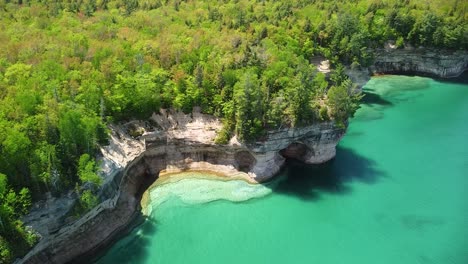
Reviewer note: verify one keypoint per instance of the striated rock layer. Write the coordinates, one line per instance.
(426, 62)
(434, 63)
(180, 142)
(186, 142)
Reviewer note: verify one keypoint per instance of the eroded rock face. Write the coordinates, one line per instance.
(181, 142)
(426, 62)
(435, 63)
(178, 142)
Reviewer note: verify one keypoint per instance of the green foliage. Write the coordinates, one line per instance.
(87, 170)
(320, 83)
(424, 29)
(247, 101)
(23, 202)
(343, 101)
(3, 183)
(224, 135)
(17, 72)
(15, 239)
(88, 200)
(323, 113)
(5, 251)
(400, 42)
(90, 61)
(67, 69)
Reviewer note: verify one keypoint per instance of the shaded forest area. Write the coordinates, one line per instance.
(69, 68)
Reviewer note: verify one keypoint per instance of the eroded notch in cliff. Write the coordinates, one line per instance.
(296, 150)
(244, 161)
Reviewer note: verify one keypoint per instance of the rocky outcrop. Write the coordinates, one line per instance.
(428, 62)
(174, 142)
(359, 76)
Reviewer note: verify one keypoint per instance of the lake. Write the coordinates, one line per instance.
(395, 193)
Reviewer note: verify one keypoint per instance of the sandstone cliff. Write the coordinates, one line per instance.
(426, 62)
(175, 142)
(434, 63)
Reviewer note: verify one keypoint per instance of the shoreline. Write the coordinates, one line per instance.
(92, 234)
(166, 178)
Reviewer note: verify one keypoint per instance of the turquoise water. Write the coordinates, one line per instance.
(396, 193)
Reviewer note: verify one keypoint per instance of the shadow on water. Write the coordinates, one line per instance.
(134, 247)
(373, 98)
(309, 181)
(461, 79)
(306, 182)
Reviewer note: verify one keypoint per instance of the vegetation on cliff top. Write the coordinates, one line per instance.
(67, 68)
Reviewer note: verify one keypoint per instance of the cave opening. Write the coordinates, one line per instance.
(296, 151)
(244, 161)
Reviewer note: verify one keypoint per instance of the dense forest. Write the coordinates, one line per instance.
(69, 68)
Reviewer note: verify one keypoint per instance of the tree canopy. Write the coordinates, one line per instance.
(69, 68)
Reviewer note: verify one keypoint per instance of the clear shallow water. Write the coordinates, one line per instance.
(396, 193)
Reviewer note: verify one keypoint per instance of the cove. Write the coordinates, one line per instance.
(395, 193)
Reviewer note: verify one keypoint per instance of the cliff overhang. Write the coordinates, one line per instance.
(423, 61)
(177, 142)
(174, 142)
(428, 62)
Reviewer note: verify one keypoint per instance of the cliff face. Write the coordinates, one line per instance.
(179, 142)
(426, 62)
(435, 63)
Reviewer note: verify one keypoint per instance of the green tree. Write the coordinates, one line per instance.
(14, 148)
(87, 170)
(88, 200)
(247, 100)
(14, 238)
(343, 101)
(424, 29)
